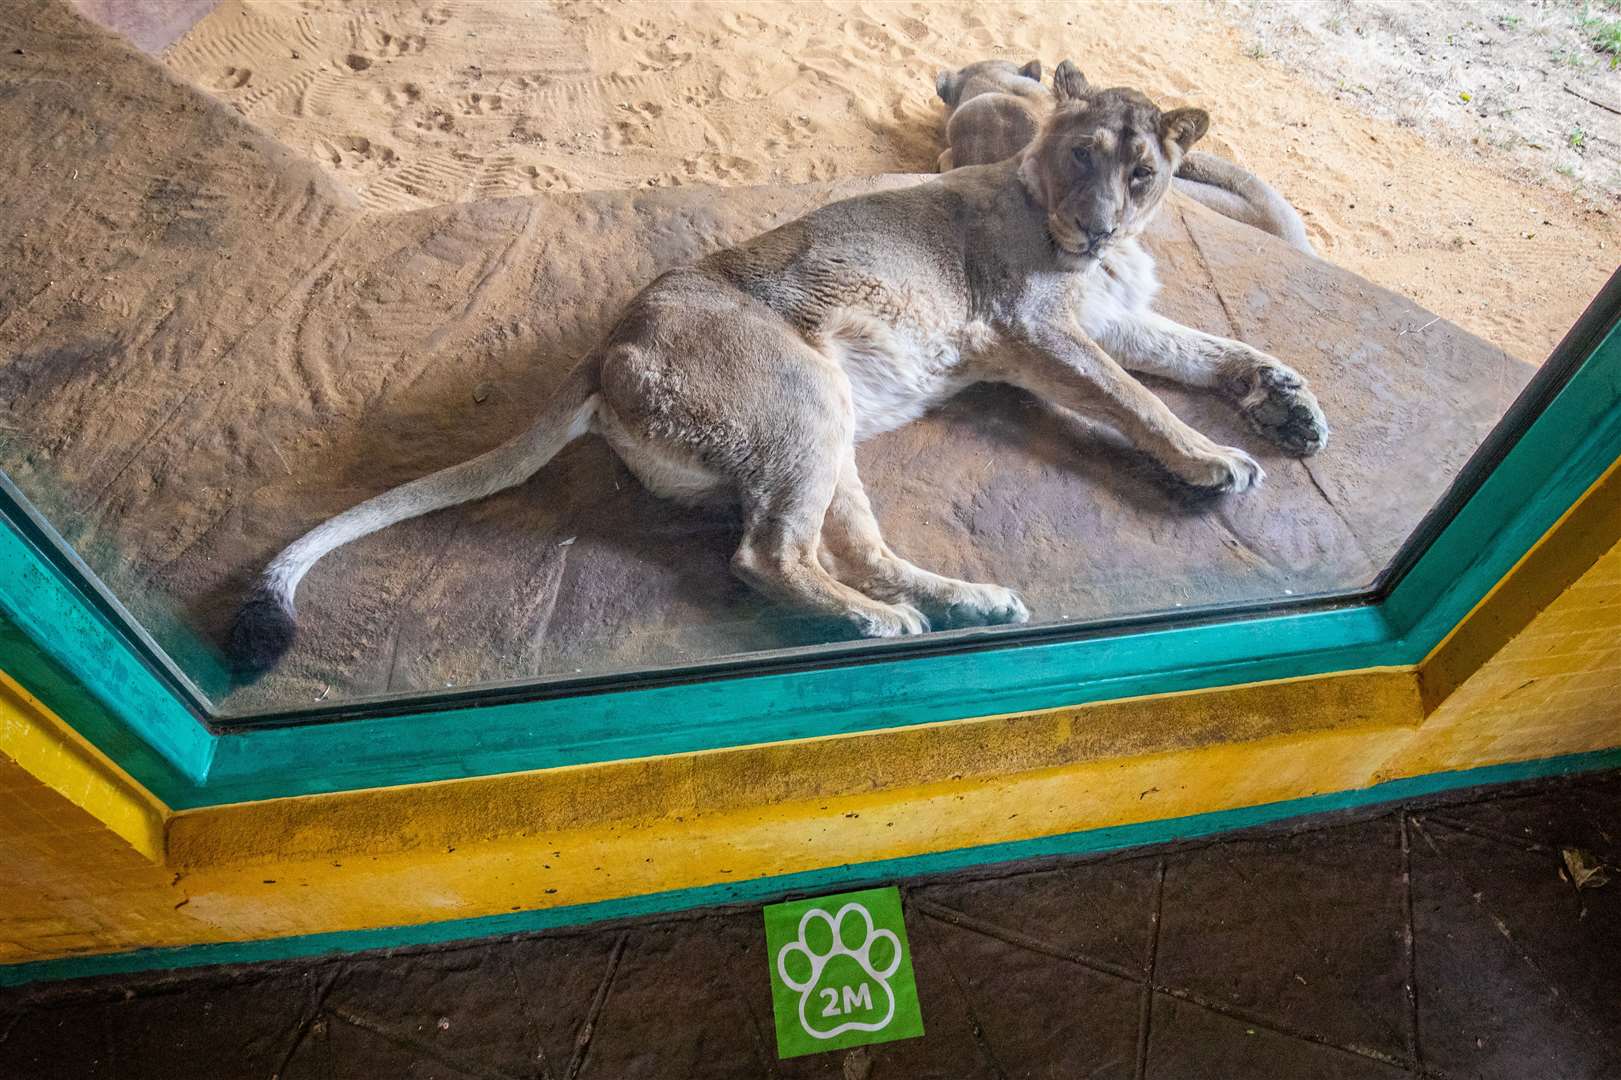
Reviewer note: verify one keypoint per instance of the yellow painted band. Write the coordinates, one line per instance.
(57, 756)
(763, 780)
(1572, 544)
(603, 832)
(396, 857)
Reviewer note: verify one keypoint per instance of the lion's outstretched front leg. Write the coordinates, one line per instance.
(860, 558)
(1066, 368)
(1271, 395)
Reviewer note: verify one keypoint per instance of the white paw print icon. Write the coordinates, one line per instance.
(840, 966)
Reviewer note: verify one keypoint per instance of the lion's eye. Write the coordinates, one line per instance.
(1081, 158)
(1141, 174)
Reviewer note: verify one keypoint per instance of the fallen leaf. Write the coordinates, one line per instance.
(1586, 872)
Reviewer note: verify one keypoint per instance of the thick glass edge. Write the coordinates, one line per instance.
(27, 522)
(795, 660)
(1600, 318)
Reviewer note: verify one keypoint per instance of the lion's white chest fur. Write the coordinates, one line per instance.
(899, 369)
(1122, 285)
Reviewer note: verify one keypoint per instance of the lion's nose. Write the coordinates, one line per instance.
(1094, 237)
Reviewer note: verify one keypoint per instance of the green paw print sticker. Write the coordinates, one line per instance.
(840, 972)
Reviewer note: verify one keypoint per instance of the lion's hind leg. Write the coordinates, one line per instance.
(706, 391)
(861, 558)
(801, 429)
(778, 556)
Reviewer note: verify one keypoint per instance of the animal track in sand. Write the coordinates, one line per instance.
(624, 133)
(548, 178)
(663, 56)
(647, 110)
(877, 38)
(233, 78)
(401, 96)
(435, 119)
(356, 158)
(391, 44)
(791, 133)
(741, 22)
(713, 165)
(477, 104)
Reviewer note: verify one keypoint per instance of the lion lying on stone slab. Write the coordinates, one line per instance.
(994, 109)
(748, 378)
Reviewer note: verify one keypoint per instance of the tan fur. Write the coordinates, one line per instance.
(749, 377)
(993, 110)
(993, 113)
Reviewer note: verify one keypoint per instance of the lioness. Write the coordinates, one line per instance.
(749, 377)
(994, 109)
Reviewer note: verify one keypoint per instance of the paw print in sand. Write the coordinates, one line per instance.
(840, 966)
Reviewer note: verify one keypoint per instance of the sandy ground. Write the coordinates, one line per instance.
(416, 103)
(1518, 86)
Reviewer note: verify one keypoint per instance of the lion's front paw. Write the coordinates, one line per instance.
(889, 620)
(1219, 470)
(1280, 406)
(971, 604)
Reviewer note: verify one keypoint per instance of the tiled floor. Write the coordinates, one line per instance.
(1435, 940)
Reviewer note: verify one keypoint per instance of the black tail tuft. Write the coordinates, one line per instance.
(261, 635)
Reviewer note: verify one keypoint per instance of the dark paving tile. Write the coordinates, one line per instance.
(1187, 1042)
(1516, 973)
(1585, 813)
(66, 1040)
(673, 1010)
(1041, 1016)
(335, 1049)
(195, 1028)
(1303, 930)
(1102, 911)
(1289, 941)
(512, 1007)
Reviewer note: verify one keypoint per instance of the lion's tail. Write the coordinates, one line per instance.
(266, 623)
(1241, 195)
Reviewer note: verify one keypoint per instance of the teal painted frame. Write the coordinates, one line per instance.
(76, 658)
(786, 886)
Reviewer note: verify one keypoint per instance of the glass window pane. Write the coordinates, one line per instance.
(293, 257)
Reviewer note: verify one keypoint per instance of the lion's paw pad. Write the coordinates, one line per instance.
(840, 966)
(1280, 406)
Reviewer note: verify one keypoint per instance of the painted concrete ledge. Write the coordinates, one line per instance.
(1529, 684)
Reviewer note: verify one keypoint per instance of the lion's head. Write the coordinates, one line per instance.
(1103, 162)
(985, 77)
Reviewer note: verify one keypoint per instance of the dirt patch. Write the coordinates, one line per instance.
(455, 101)
(1533, 89)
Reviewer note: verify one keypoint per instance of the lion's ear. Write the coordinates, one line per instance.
(1184, 127)
(1030, 175)
(947, 86)
(1032, 70)
(1068, 82)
